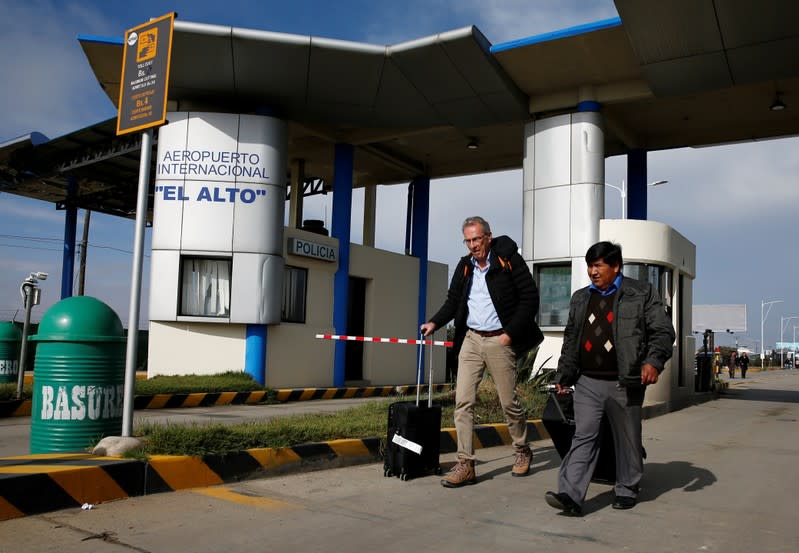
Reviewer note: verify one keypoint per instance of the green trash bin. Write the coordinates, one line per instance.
(10, 341)
(80, 375)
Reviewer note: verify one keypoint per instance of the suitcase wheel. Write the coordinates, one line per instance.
(387, 472)
(403, 476)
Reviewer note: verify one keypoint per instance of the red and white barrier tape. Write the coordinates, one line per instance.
(384, 340)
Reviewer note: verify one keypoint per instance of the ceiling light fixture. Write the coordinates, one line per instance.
(777, 104)
(473, 144)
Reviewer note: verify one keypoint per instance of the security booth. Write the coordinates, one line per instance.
(653, 252)
(224, 269)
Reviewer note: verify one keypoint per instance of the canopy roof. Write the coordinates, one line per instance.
(666, 75)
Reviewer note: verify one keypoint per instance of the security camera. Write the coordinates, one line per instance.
(40, 275)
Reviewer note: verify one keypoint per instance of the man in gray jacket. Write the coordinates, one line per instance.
(617, 341)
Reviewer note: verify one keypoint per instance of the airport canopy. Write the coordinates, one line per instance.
(666, 75)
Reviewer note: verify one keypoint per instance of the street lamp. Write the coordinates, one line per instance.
(623, 191)
(31, 295)
(763, 304)
(782, 328)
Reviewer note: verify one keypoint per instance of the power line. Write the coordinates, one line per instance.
(30, 247)
(34, 238)
(42, 239)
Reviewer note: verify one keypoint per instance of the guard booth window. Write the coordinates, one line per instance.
(554, 287)
(653, 274)
(205, 287)
(295, 286)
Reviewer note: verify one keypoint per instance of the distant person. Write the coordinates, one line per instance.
(743, 362)
(494, 300)
(616, 342)
(731, 365)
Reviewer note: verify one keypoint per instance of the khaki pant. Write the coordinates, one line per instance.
(478, 354)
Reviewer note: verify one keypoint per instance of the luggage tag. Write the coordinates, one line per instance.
(407, 444)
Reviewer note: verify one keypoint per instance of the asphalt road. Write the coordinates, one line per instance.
(720, 477)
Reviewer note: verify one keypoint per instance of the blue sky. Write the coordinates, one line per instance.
(737, 203)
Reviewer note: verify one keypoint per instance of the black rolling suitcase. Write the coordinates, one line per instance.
(413, 442)
(558, 419)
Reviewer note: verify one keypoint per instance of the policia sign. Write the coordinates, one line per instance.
(145, 75)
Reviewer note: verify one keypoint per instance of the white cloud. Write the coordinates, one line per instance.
(17, 206)
(504, 20)
(499, 20)
(47, 84)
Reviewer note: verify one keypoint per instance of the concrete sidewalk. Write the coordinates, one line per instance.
(717, 480)
(73, 479)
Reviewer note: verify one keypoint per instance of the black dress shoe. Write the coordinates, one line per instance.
(563, 502)
(622, 502)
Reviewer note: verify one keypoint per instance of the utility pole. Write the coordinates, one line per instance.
(84, 244)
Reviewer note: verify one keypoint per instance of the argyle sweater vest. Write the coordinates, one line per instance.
(597, 352)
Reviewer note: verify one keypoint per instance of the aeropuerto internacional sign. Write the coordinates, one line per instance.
(145, 75)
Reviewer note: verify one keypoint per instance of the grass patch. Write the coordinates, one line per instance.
(364, 421)
(8, 391)
(232, 381)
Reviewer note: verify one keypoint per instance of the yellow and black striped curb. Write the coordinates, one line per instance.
(302, 394)
(199, 399)
(15, 408)
(21, 408)
(47, 482)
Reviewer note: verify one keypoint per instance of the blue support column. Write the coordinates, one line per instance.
(70, 230)
(636, 184)
(421, 218)
(255, 353)
(342, 212)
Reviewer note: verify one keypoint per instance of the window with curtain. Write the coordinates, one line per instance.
(554, 287)
(205, 287)
(295, 284)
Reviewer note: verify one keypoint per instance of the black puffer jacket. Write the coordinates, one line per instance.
(513, 292)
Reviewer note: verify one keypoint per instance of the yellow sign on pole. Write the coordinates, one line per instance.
(145, 75)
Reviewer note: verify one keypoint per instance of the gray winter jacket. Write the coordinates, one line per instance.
(642, 333)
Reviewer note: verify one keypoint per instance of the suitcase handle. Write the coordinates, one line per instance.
(419, 372)
(419, 368)
(430, 379)
(553, 391)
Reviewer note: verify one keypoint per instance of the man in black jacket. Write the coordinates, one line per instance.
(616, 341)
(493, 300)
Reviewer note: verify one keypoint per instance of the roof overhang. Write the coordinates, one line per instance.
(703, 74)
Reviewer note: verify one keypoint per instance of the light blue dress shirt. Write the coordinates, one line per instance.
(482, 315)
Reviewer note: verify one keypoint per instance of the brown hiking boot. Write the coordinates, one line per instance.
(460, 475)
(521, 466)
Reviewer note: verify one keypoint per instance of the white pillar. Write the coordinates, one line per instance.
(564, 194)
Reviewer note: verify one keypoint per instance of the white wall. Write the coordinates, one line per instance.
(195, 348)
(294, 356)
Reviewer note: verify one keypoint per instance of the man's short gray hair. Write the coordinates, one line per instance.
(476, 220)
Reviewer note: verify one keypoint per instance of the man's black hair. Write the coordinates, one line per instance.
(608, 251)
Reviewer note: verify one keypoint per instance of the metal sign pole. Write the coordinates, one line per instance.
(135, 283)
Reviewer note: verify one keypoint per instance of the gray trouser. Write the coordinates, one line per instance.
(478, 354)
(592, 397)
